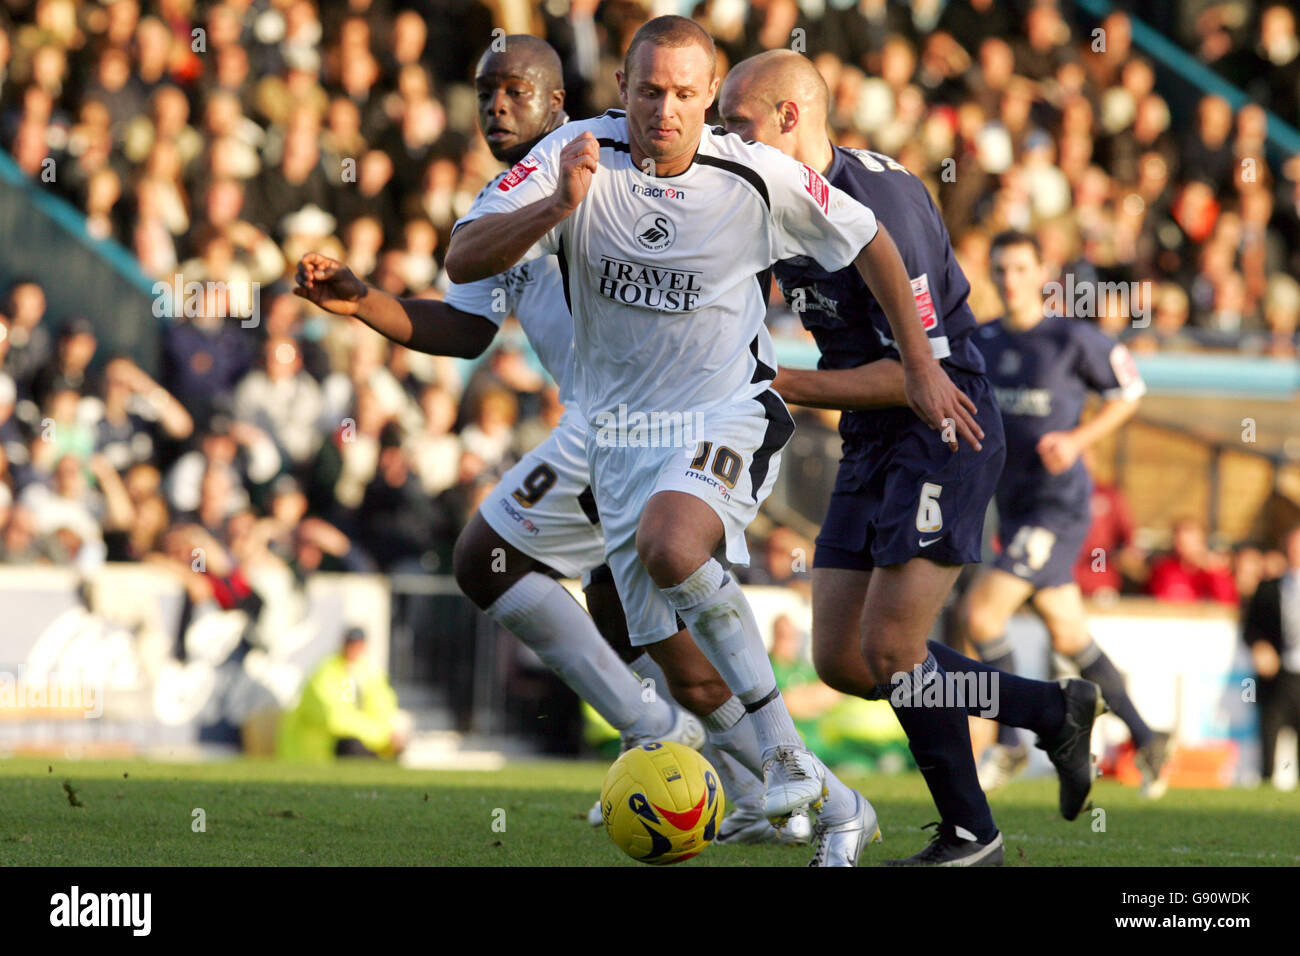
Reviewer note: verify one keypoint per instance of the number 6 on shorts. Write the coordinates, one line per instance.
(929, 518)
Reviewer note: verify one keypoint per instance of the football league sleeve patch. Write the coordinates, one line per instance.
(813, 218)
(1106, 366)
(530, 180)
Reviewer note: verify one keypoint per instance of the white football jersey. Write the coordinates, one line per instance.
(533, 291)
(662, 274)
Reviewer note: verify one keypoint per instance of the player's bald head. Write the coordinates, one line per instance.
(775, 76)
(779, 99)
(673, 32)
(525, 56)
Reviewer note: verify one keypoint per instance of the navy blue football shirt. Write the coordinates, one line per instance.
(1042, 378)
(845, 319)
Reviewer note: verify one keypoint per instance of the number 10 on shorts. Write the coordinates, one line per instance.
(726, 463)
(929, 518)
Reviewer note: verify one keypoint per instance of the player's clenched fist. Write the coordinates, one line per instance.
(1059, 451)
(578, 163)
(329, 284)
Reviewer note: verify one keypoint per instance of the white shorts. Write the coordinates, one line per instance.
(544, 505)
(730, 462)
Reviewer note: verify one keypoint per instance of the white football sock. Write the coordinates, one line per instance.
(728, 730)
(742, 790)
(714, 608)
(538, 611)
(733, 749)
(839, 803)
(742, 787)
(645, 668)
(731, 731)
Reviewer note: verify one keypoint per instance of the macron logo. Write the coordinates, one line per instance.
(102, 909)
(658, 192)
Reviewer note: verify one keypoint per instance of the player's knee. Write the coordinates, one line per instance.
(480, 566)
(464, 565)
(886, 660)
(982, 624)
(1069, 637)
(699, 695)
(838, 677)
(837, 671)
(664, 560)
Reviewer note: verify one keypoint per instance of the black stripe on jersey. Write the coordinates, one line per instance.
(564, 275)
(764, 280)
(780, 426)
(738, 169)
(615, 113)
(762, 371)
(587, 502)
(723, 131)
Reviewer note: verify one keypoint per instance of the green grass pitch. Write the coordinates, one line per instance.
(261, 813)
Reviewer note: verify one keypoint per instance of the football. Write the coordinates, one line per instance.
(662, 803)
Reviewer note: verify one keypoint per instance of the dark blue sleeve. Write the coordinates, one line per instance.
(1104, 365)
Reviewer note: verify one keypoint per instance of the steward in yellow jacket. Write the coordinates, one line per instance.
(347, 708)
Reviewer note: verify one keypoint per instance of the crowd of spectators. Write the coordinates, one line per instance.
(243, 453)
(219, 141)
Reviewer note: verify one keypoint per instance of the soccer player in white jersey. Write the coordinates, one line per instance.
(541, 515)
(661, 228)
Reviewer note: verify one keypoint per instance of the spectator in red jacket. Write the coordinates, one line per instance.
(1192, 572)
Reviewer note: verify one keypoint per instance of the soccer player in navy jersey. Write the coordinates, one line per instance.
(909, 503)
(1043, 368)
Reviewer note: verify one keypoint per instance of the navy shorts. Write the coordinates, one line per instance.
(902, 493)
(1042, 546)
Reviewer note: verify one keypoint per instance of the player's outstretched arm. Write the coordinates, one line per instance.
(495, 242)
(424, 325)
(932, 395)
(877, 384)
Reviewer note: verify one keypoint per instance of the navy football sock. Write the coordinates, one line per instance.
(1095, 666)
(1036, 705)
(939, 739)
(1000, 654)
